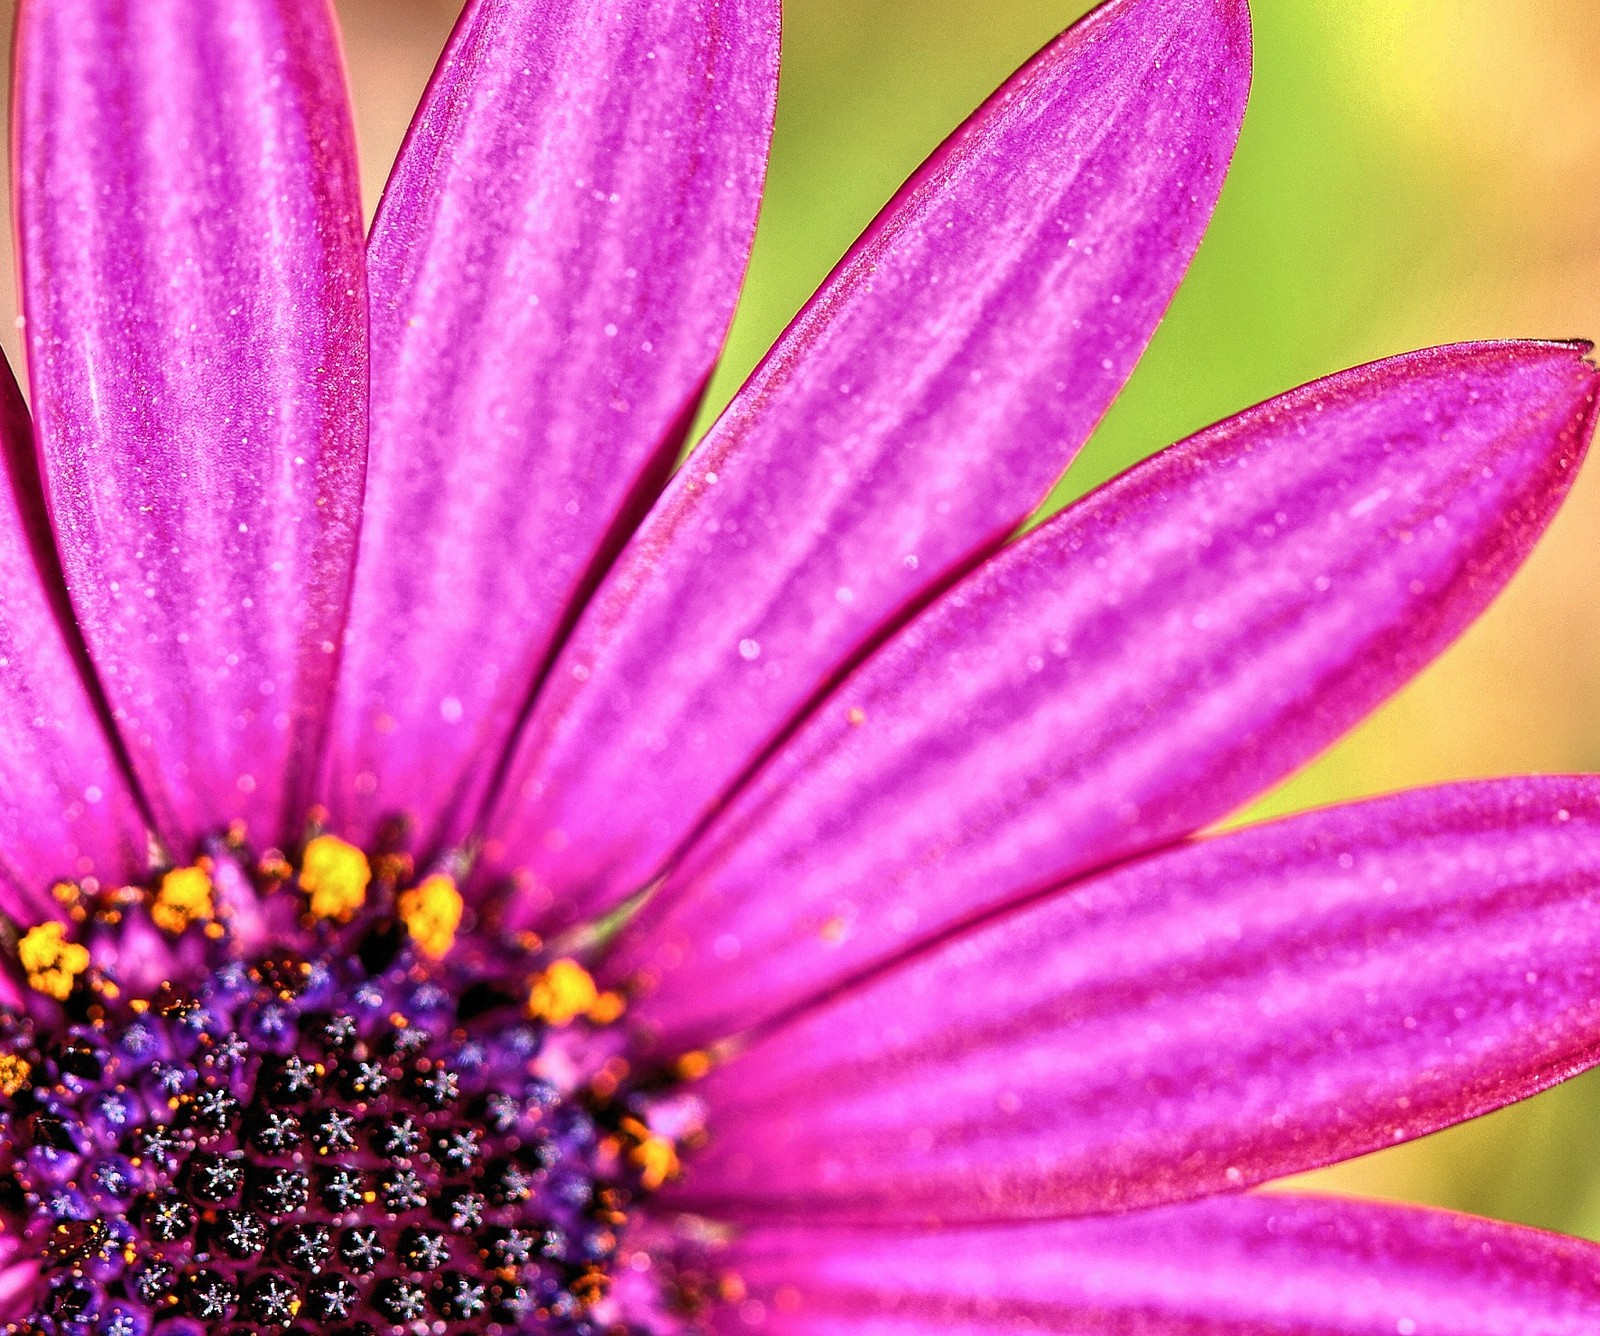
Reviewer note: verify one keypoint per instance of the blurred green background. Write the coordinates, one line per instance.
(1410, 172)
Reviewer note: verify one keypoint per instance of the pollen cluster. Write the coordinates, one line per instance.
(365, 1137)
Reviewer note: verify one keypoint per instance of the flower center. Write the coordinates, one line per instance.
(365, 1136)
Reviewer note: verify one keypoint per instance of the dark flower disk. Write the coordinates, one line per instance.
(354, 1136)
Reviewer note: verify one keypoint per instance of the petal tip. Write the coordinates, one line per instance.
(1569, 362)
(1195, 19)
(1573, 360)
(1555, 380)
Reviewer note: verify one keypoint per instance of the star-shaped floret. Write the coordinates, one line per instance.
(460, 1297)
(331, 1130)
(210, 1296)
(401, 1300)
(511, 1248)
(437, 1087)
(281, 1192)
(229, 1053)
(275, 1132)
(338, 1032)
(362, 1249)
(168, 1218)
(153, 1282)
(306, 1247)
(396, 1137)
(331, 1298)
(272, 1301)
(241, 1234)
(213, 1110)
(293, 1080)
(424, 1249)
(365, 1079)
(112, 1107)
(464, 1209)
(111, 1177)
(457, 1150)
(510, 1184)
(217, 1178)
(342, 1189)
(402, 1190)
(159, 1145)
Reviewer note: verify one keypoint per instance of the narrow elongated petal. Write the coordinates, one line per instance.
(553, 270)
(1206, 1018)
(1233, 1266)
(907, 421)
(193, 281)
(65, 807)
(1134, 670)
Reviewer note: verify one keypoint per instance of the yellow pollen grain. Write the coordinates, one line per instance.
(566, 991)
(656, 1159)
(431, 911)
(607, 1007)
(692, 1066)
(562, 993)
(52, 963)
(334, 875)
(857, 716)
(184, 897)
(14, 1073)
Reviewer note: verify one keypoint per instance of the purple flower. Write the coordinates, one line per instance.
(457, 880)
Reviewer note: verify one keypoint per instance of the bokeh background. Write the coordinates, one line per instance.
(1410, 172)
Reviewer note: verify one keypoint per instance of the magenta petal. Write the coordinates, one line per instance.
(553, 270)
(17, 1284)
(194, 286)
(912, 415)
(1209, 1017)
(1125, 675)
(1243, 1266)
(65, 808)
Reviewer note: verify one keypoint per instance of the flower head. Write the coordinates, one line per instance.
(458, 880)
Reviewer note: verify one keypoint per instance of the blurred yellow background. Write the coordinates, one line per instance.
(1410, 172)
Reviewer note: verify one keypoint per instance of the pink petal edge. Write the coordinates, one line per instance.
(1269, 1265)
(1231, 1011)
(65, 807)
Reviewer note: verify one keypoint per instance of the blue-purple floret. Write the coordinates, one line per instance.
(295, 1144)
